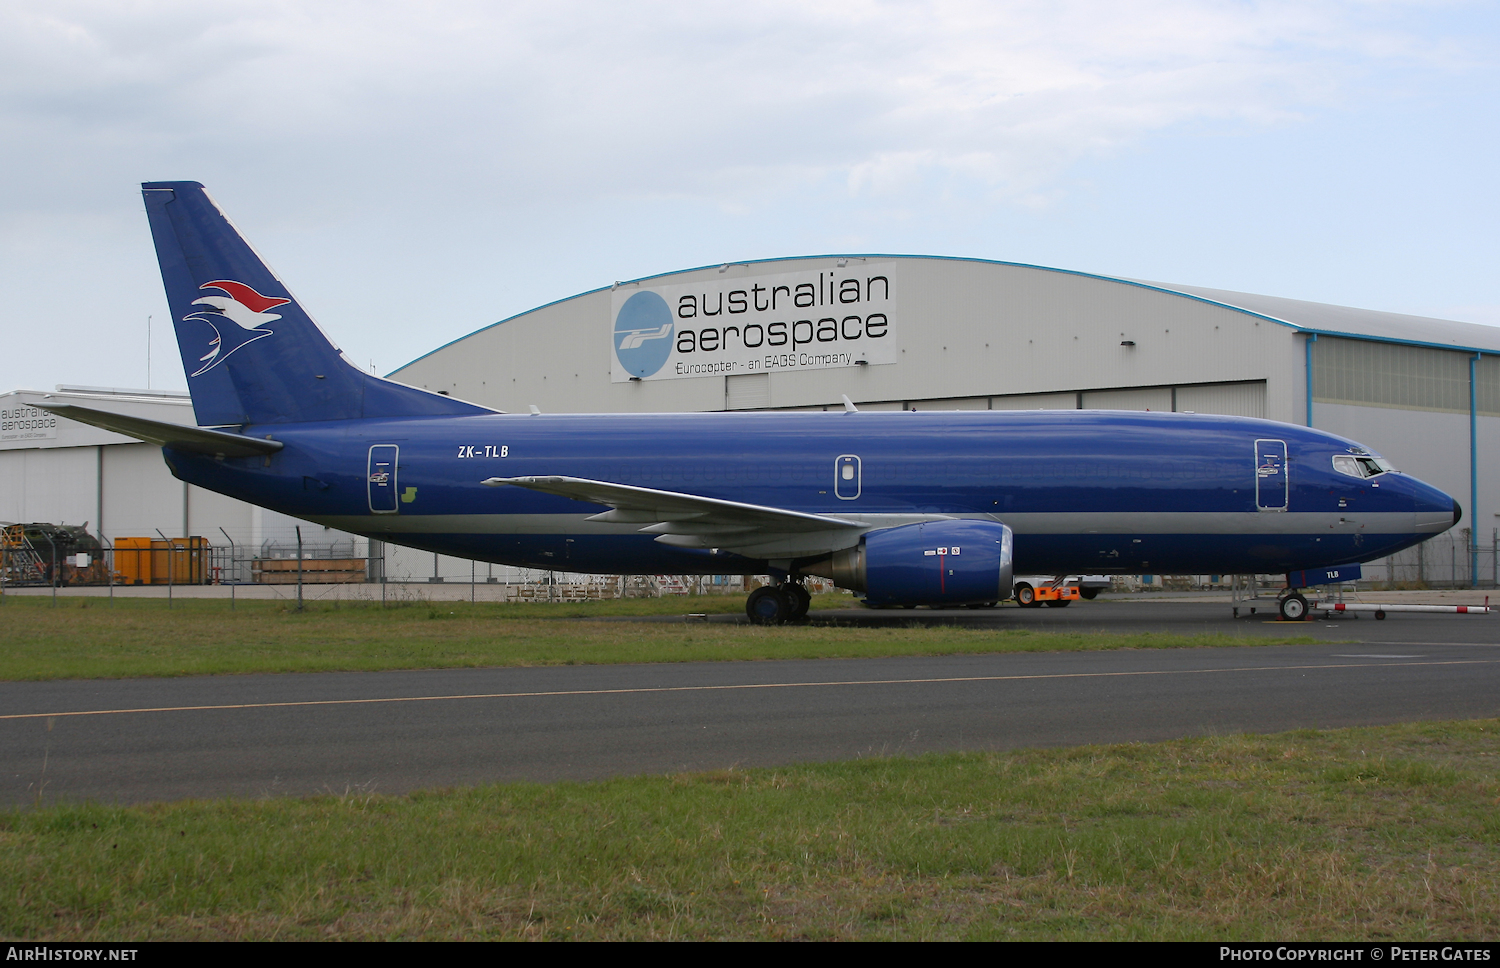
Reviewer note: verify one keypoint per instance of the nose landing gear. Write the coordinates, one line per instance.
(1293, 607)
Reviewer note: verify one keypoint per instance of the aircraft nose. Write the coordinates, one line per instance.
(1436, 511)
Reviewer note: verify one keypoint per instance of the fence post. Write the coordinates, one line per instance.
(299, 568)
(169, 567)
(109, 567)
(233, 566)
(53, 571)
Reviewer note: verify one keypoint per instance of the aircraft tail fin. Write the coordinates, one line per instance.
(251, 352)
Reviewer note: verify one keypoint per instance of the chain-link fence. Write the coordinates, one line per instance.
(1449, 560)
(32, 557)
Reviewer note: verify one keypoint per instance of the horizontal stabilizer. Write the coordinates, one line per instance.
(194, 439)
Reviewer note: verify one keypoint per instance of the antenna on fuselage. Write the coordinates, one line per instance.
(849, 406)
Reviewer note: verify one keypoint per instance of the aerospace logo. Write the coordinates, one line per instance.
(643, 333)
(236, 319)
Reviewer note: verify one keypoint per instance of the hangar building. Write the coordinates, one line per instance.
(931, 333)
(890, 332)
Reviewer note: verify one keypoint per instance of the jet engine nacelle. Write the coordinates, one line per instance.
(933, 563)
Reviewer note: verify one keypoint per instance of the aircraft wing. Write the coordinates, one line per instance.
(692, 521)
(195, 439)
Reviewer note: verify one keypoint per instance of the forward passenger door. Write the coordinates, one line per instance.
(1271, 483)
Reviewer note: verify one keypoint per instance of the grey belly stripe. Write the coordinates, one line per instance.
(1087, 522)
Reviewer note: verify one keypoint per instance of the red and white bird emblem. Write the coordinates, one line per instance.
(241, 305)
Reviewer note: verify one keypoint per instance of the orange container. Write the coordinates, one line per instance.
(133, 560)
(178, 561)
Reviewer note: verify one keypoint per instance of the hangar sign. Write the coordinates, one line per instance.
(21, 422)
(815, 319)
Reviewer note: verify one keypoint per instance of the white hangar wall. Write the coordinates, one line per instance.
(1421, 409)
(966, 329)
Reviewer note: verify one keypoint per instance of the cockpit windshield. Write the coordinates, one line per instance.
(1361, 465)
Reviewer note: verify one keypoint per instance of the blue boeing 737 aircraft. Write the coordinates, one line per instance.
(906, 508)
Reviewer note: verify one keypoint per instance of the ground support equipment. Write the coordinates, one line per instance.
(1054, 594)
(1380, 609)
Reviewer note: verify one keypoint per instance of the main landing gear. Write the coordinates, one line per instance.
(777, 604)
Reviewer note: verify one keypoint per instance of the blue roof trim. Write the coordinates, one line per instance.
(1403, 342)
(958, 258)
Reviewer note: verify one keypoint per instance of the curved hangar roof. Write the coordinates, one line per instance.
(887, 330)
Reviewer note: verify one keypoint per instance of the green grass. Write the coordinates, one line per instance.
(1374, 833)
(89, 638)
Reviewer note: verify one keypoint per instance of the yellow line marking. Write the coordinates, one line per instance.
(748, 685)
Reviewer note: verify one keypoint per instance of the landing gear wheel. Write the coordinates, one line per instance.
(801, 600)
(1294, 608)
(1026, 596)
(1089, 594)
(1060, 603)
(768, 606)
(1380, 614)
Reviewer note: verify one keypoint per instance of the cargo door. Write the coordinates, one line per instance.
(846, 477)
(381, 475)
(1270, 475)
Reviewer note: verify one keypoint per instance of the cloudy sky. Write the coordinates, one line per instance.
(417, 171)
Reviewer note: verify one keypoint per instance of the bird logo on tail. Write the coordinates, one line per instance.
(240, 305)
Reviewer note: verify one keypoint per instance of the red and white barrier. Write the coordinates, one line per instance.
(1380, 610)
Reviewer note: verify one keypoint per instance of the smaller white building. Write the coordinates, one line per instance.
(63, 472)
(59, 471)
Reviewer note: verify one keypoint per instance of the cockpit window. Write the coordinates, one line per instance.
(1363, 465)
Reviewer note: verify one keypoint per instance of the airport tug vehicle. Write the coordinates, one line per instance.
(1054, 593)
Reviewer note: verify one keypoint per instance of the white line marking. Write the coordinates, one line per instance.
(750, 685)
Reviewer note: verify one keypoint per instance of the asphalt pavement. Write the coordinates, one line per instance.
(140, 740)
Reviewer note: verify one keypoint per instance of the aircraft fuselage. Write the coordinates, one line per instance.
(1084, 491)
